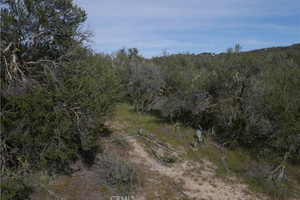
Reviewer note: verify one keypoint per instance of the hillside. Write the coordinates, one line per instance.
(264, 51)
(80, 124)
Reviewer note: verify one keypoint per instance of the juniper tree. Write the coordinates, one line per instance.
(55, 92)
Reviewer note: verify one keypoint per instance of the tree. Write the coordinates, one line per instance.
(237, 48)
(235, 79)
(55, 92)
(35, 37)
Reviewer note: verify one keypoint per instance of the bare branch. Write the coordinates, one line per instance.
(7, 70)
(39, 61)
(7, 48)
(281, 174)
(32, 42)
(177, 187)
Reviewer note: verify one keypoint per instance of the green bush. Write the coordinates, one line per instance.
(48, 127)
(36, 130)
(279, 103)
(14, 186)
(56, 94)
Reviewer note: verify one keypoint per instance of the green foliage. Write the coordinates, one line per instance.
(280, 104)
(49, 126)
(14, 186)
(41, 29)
(249, 98)
(55, 93)
(245, 99)
(234, 93)
(36, 130)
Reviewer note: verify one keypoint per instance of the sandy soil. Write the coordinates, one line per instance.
(193, 180)
(198, 181)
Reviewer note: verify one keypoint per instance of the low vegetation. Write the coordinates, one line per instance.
(246, 100)
(240, 162)
(116, 172)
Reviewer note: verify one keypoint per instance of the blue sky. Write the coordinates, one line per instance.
(193, 26)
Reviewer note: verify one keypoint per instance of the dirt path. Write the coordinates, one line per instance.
(198, 180)
(183, 179)
(193, 180)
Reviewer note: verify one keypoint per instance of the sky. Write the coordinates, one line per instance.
(193, 26)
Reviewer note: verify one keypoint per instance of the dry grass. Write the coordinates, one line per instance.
(116, 172)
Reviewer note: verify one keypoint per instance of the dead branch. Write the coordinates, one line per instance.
(7, 70)
(32, 43)
(39, 61)
(163, 145)
(153, 151)
(150, 139)
(75, 113)
(200, 128)
(281, 174)
(7, 48)
(177, 187)
(199, 158)
(54, 194)
(57, 196)
(15, 66)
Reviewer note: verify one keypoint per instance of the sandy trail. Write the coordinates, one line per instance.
(198, 181)
(183, 179)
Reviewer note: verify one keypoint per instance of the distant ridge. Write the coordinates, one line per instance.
(263, 50)
(291, 47)
(295, 47)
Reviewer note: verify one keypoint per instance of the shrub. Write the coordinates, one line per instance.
(116, 172)
(14, 186)
(49, 126)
